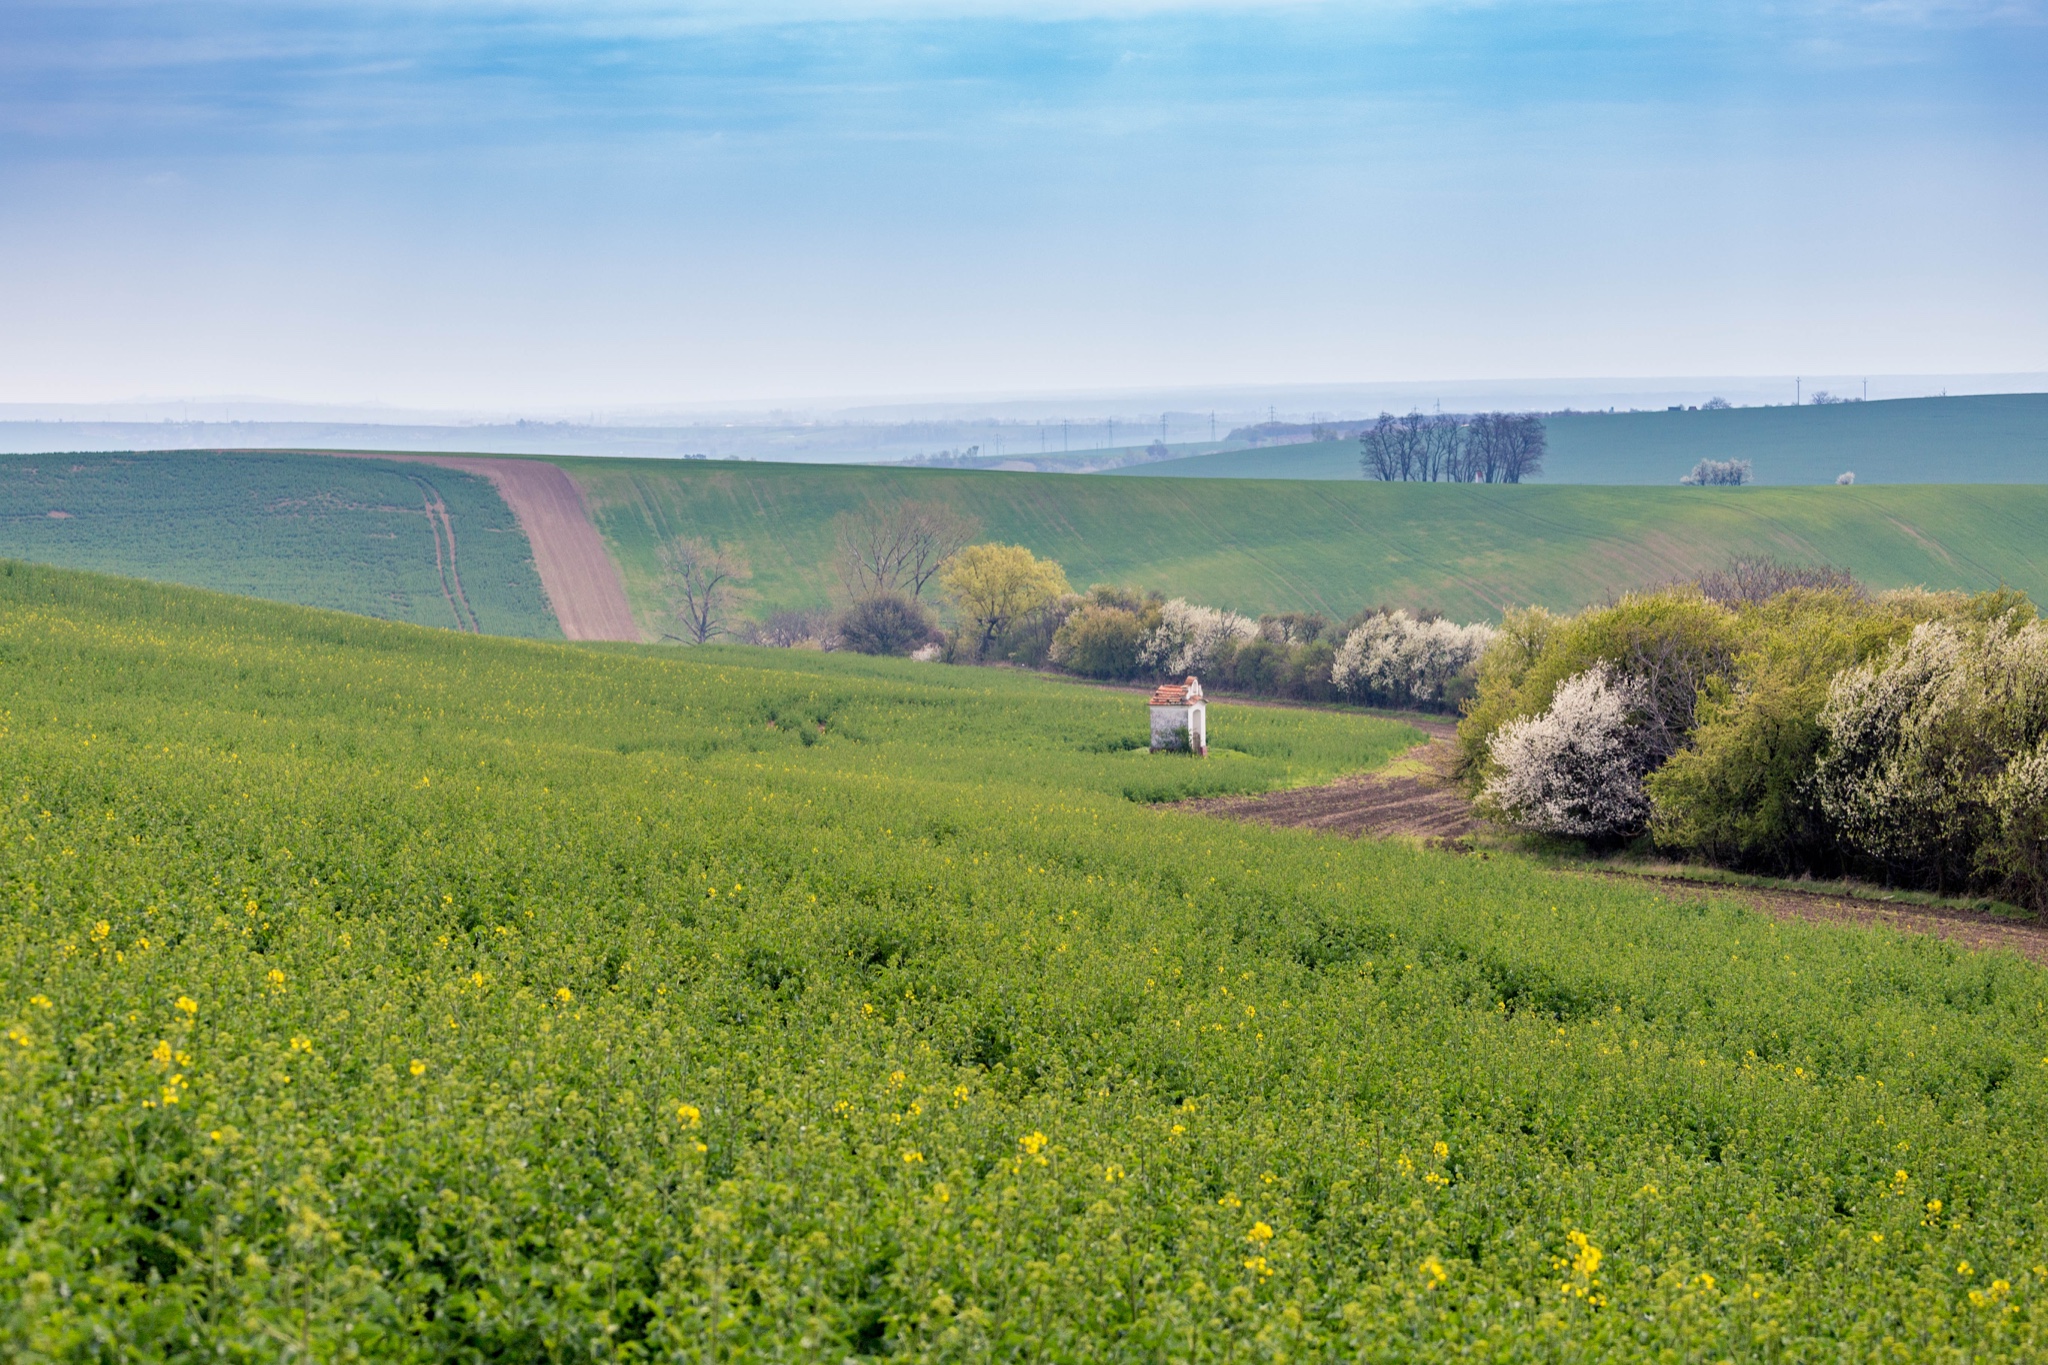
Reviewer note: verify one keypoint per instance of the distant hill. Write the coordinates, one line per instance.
(1259, 545)
(355, 534)
(352, 535)
(1995, 438)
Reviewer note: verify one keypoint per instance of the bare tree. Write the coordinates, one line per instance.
(1523, 443)
(702, 585)
(899, 548)
(1439, 449)
(1415, 447)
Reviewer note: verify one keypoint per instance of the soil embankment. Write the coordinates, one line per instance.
(581, 581)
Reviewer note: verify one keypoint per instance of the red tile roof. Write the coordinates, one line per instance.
(1177, 694)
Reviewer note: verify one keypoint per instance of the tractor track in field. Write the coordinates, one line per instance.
(1422, 802)
(443, 527)
(582, 583)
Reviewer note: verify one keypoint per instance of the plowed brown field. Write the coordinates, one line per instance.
(576, 571)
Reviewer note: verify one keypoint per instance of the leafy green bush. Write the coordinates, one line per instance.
(1100, 640)
(1927, 772)
(1674, 642)
(1741, 792)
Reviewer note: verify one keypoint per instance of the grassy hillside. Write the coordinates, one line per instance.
(1257, 545)
(402, 995)
(1997, 438)
(353, 535)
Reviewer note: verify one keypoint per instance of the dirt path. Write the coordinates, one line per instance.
(1416, 799)
(577, 573)
(1419, 800)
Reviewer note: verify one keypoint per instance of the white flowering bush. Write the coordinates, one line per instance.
(1397, 660)
(1188, 634)
(1933, 767)
(1577, 769)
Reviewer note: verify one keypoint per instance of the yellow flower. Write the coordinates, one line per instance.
(187, 1005)
(1177, 1129)
(1260, 1232)
(689, 1114)
(1963, 1269)
(161, 1054)
(476, 978)
(1258, 1265)
(275, 978)
(99, 932)
(41, 1002)
(960, 1093)
(1434, 1269)
(301, 1044)
(1934, 1206)
(896, 1078)
(913, 1158)
(565, 995)
(1442, 1150)
(1032, 1143)
(418, 1067)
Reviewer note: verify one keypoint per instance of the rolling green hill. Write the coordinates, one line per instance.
(1269, 545)
(1996, 438)
(370, 993)
(353, 535)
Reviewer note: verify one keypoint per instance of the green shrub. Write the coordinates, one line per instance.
(1100, 641)
(1927, 773)
(1673, 642)
(1741, 792)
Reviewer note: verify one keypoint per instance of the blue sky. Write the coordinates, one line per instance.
(548, 206)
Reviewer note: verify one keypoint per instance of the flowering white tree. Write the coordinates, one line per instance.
(1187, 635)
(1397, 659)
(1577, 769)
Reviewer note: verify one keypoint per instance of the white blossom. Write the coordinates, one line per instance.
(1398, 659)
(1187, 635)
(1577, 769)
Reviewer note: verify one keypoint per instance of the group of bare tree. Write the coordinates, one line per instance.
(899, 547)
(886, 551)
(1490, 447)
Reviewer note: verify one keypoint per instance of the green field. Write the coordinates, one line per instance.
(1260, 545)
(1994, 438)
(372, 992)
(352, 535)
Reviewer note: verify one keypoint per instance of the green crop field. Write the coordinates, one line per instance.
(353, 535)
(372, 992)
(1993, 438)
(1273, 545)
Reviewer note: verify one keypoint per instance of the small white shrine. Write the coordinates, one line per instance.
(1180, 720)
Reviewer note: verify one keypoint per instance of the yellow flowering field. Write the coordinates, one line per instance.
(375, 992)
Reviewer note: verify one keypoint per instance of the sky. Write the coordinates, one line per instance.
(556, 207)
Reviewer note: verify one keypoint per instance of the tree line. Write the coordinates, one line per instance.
(1488, 447)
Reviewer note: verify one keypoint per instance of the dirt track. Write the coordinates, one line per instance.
(582, 583)
(1425, 804)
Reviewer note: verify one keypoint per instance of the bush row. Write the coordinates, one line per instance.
(1811, 729)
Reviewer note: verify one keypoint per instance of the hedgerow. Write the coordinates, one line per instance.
(375, 991)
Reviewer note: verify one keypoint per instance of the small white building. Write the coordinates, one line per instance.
(1180, 720)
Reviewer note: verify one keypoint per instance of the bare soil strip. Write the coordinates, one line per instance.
(1426, 805)
(577, 573)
